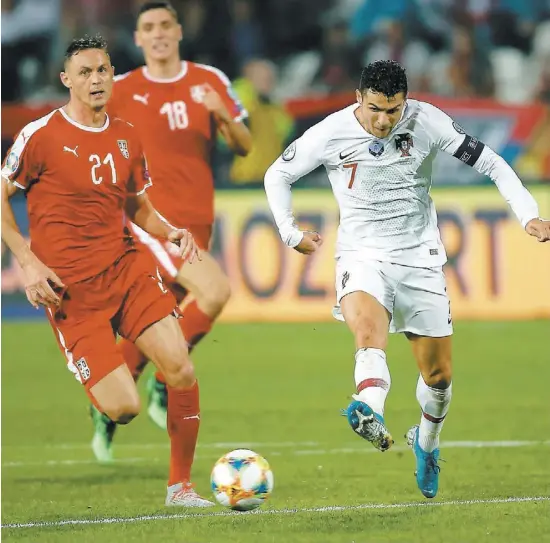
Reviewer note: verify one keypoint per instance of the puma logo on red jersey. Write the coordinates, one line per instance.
(144, 99)
(69, 150)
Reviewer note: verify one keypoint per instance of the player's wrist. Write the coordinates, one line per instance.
(292, 238)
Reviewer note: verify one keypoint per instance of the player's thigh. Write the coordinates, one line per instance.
(207, 282)
(89, 348)
(164, 344)
(421, 305)
(365, 295)
(434, 359)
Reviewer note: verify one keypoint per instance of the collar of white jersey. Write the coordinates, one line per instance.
(174, 79)
(404, 118)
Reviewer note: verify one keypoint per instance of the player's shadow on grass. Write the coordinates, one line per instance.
(105, 475)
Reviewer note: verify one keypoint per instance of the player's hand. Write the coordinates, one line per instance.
(539, 228)
(39, 280)
(187, 248)
(310, 243)
(212, 101)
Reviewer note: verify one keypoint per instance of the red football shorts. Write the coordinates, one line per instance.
(127, 298)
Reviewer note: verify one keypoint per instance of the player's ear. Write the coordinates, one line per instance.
(180, 32)
(65, 80)
(358, 96)
(137, 41)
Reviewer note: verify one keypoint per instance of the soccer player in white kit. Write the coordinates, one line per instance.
(378, 154)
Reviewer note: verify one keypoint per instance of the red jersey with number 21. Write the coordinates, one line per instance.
(76, 180)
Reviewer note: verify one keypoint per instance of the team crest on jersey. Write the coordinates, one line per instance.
(376, 148)
(83, 369)
(123, 146)
(197, 93)
(403, 143)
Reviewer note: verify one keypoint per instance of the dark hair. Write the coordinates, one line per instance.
(87, 42)
(386, 77)
(160, 4)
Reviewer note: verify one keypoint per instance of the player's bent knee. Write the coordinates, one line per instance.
(215, 297)
(180, 375)
(122, 412)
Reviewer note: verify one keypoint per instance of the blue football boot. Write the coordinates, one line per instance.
(427, 467)
(368, 424)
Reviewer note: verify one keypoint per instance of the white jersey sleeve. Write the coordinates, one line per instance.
(300, 157)
(450, 137)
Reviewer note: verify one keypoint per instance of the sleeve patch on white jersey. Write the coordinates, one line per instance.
(458, 128)
(290, 152)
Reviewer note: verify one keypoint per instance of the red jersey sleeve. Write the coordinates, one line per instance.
(221, 84)
(24, 162)
(140, 179)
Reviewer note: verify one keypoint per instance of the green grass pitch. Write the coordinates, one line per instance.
(278, 389)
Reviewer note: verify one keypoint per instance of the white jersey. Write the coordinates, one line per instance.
(383, 185)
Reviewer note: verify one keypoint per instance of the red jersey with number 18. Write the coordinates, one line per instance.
(76, 180)
(178, 134)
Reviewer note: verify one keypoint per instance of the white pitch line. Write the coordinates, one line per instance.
(298, 452)
(328, 509)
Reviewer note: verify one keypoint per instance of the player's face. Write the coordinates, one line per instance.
(89, 76)
(380, 113)
(158, 34)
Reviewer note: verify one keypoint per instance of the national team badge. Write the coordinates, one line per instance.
(197, 93)
(376, 148)
(123, 146)
(403, 143)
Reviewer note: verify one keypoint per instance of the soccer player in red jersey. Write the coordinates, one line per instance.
(83, 172)
(177, 107)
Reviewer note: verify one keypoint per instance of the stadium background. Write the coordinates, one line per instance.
(487, 63)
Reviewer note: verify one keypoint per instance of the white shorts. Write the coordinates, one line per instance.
(416, 298)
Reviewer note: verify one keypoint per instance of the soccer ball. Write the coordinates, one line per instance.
(241, 480)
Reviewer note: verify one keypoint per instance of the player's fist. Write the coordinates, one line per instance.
(212, 101)
(539, 228)
(310, 243)
(184, 245)
(41, 283)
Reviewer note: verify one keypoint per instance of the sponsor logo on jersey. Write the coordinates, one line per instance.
(83, 369)
(290, 152)
(343, 156)
(12, 163)
(123, 146)
(458, 128)
(376, 148)
(403, 143)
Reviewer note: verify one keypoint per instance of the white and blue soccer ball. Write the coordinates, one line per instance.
(241, 480)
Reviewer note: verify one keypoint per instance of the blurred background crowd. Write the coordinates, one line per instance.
(279, 50)
(460, 48)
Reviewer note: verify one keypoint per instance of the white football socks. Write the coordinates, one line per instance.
(372, 378)
(435, 404)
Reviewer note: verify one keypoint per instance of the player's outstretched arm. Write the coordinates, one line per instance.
(39, 279)
(452, 139)
(299, 158)
(141, 212)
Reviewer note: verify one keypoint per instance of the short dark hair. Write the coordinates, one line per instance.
(86, 42)
(386, 77)
(160, 4)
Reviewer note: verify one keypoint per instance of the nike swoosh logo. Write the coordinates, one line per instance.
(342, 157)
